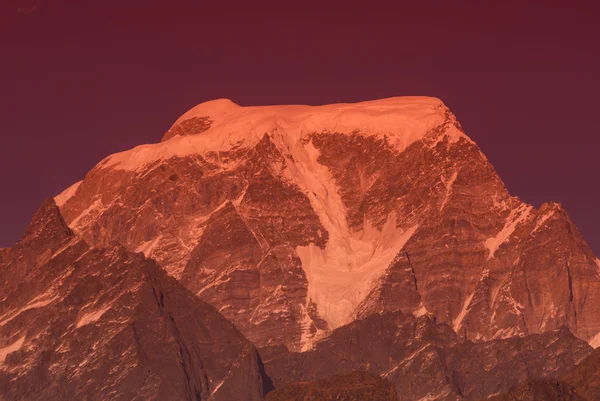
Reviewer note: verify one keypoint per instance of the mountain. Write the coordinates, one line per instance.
(348, 250)
(82, 323)
(293, 221)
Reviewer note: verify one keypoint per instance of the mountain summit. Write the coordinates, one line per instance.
(293, 221)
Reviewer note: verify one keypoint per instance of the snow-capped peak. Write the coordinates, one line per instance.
(402, 120)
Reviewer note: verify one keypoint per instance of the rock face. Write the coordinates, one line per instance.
(82, 323)
(191, 126)
(425, 360)
(355, 386)
(544, 390)
(586, 377)
(295, 220)
(582, 383)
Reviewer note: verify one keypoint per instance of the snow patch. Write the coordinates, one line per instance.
(67, 194)
(433, 397)
(515, 217)
(542, 220)
(148, 247)
(66, 246)
(216, 109)
(507, 333)
(217, 387)
(38, 302)
(95, 205)
(461, 316)
(422, 311)
(341, 275)
(595, 341)
(549, 316)
(92, 317)
(406, 361)
(306, 339)
(449, 184)
(11, 348)
(516, 305)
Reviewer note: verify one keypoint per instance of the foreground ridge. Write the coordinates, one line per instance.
(426, 360)
(86, 323)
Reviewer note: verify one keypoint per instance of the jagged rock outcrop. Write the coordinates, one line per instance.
(44, 236)
(425, 360)
(341, 211)
(191, 126)
(355, 386)
(83, 323)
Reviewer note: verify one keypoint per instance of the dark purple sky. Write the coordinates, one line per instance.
(82, 79)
